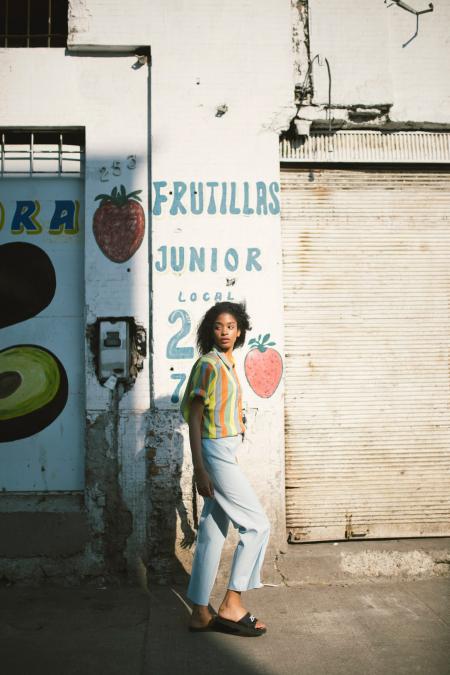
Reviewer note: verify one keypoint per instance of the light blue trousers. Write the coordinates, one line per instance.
(234, 500)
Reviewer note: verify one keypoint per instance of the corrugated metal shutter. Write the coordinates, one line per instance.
(423, 147)
(366, 265)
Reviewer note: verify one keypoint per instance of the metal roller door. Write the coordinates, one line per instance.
(366, 268)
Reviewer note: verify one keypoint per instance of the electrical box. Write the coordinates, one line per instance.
(114, 349)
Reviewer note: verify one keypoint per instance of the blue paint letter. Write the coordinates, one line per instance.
(197, 259)
(246, 210)
(177, 265)
(232, 264)
(252, 263)
(173, 351)
(275, 206)
(159, 198)
(25, 218)
(223, 201)
(261, 198)
(212, 202)
(213, 260)
(233, 208)
(179, 188)
(176, 393)
(65, 217)
(196, 208)
(161, 266)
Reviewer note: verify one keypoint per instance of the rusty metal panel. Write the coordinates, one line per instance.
(366, 274)
(368, 146)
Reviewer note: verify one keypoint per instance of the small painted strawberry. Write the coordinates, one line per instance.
(263, 366)
(119, 224)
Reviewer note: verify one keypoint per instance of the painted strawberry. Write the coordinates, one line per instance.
(263, 366)
(119, 224)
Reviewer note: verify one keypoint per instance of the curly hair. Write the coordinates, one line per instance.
(205, 331)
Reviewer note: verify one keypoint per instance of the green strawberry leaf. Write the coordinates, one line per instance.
(133, 196)
(262, 343)
(119, 196)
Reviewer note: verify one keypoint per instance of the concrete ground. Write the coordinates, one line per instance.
(333, 622)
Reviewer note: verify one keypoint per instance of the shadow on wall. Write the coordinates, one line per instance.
(52, 448)
(174, 511)
(173, 507)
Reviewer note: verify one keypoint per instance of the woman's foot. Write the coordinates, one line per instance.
(201, 616)
(233, 610)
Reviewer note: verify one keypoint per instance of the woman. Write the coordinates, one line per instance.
(212, 406)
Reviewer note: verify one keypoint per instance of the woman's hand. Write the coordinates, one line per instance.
(204, 484)
(202, 480)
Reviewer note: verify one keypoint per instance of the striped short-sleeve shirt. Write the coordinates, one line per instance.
(215, 380)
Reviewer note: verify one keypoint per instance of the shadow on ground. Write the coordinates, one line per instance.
(383, 628)
(172, 649)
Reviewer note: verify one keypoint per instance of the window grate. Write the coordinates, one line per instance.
(33, 23)
(47, 153)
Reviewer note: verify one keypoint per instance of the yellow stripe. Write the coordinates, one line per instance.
(231, 413)
(209, 418)
(211, 427)
(231, 428)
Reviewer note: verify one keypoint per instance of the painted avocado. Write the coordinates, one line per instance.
(33, 390)
(27, 282)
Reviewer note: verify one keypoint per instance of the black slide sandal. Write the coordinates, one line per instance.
(246, 626)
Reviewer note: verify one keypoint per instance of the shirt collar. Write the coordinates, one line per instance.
(223, 358)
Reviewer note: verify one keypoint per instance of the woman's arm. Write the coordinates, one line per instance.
(202, 479)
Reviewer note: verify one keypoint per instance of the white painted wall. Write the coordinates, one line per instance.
(47, 88)
(104, 94)
(203, 55)
(363, 39)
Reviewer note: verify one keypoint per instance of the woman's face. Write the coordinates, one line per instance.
(226, 331)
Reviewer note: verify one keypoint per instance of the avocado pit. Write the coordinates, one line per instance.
(10, 381)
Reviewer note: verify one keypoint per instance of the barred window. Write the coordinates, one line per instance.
(33, 23)
(41, 152)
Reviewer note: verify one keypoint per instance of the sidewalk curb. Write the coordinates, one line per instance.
(328, 563)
